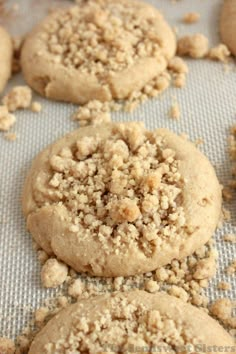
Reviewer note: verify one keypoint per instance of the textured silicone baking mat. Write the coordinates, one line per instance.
(207, 111)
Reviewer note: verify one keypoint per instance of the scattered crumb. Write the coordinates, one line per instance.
(10, 136)
(19, 97)
(226, 214)
(191, 17)
(219, 53)
(7, 120)
(222, 309)
(198, 142)
(195, 46)
(40, 315)
(205, 269)
(151, 286)
(174, 112)
(223, 285)
(230, 238)
(94, 112)
(6, 346)
(231, 269)
(36, 107)
(76, 288)
(53, 273)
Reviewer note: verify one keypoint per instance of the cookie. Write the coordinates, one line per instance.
(118, 200)
(6, 53)
(100, 50)
(128, 322)
(228, 24)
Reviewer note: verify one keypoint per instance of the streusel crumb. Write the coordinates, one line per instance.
(175, 111)
(219, 53)
(195, 46)
(191, 17)
(53, 273)
(19, 97)
(223, 285)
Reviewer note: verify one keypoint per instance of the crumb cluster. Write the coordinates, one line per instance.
(196, 46)
(125, 188)
(19, 97)
(7, 120)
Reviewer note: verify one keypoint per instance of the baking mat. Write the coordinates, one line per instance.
(208, 109)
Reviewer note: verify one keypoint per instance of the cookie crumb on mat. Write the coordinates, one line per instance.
(219, 53)
(36, 107)
(53, 273)
(7, 120)
(195, 46)
(191, 17)
(6, 346)
(231, 269)
(223, 285)
(19, 97)
(230, 238)
(174, 112)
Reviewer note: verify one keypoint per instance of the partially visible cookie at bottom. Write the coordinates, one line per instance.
(228, 24)
(119, 200)
(6, 53)
(134, 321)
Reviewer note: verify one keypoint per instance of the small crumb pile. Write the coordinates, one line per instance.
(224, 286)
(191, 17)
(19, 97)
(219, 53)
(195, 46)
(231, 269)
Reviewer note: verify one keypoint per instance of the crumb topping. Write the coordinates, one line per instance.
(124, 190)
(127, 324)
(103, 37)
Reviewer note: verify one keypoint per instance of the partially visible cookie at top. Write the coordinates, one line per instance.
(228, 24)
(6, 53)
(118, 200)
(99, 50)
(128, 322)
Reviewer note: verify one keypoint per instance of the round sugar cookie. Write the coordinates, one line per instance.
(118, 200)
(6, 52)
(128, 322)
(99, 50)
(228, 24)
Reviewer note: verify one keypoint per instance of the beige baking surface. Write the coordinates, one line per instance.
(208, 108)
